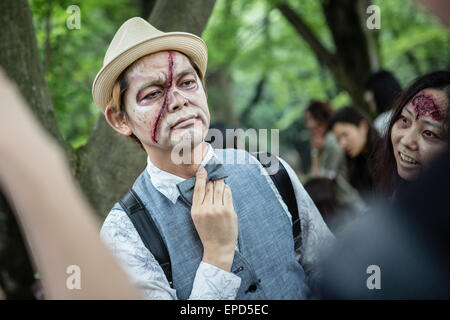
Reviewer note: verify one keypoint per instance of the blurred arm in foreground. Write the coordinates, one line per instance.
(59, 226)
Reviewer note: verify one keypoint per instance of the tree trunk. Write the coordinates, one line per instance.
(219, 87)
(180, 15)
(19, 57)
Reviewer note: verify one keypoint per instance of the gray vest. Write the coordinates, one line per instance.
(265, 260)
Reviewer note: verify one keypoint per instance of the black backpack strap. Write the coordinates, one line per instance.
(147, 230)
(285, 188)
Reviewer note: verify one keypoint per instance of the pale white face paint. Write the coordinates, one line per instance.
(165, 101)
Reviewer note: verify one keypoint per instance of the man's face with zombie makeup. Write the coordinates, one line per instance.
(165, 101)
(419, 134)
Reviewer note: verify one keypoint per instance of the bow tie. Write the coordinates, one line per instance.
(215, 170)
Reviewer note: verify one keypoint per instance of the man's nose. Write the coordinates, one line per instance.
(176, 100)
(410, 139)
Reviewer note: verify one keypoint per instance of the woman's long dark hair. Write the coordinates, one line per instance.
(386, 174)
(360, 168)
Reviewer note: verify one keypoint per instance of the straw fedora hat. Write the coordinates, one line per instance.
(137, 38)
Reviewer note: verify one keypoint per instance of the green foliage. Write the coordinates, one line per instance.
(76, 56)
(261, 43)
(413, 42)
(250, 39)
(256, 41)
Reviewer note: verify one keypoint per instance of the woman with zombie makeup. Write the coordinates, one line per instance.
(417, 132)
(360, 141)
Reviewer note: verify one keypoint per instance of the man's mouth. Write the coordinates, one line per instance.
(407, 159)
(184, 122)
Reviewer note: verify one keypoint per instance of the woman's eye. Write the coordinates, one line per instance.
(430, 134)
(403, 121)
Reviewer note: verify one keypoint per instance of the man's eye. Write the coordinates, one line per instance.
(188, 83)
(152, 95)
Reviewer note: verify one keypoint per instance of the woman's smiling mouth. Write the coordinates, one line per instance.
(408, 160)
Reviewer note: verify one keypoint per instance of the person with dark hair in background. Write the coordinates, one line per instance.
(417, 132)
(381, 89)
(327, 158)
(360, 141)
(324, 193)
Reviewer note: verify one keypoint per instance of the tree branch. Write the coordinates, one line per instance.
(306, 33)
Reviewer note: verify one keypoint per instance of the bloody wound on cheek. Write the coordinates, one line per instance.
(425, 106)
(163, 108)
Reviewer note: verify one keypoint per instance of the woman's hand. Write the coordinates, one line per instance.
(215, 220)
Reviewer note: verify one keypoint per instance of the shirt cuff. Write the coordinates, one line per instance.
(212, 283)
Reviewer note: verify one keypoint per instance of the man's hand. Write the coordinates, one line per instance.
(215, 220)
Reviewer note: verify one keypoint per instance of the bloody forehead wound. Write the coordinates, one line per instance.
(426, 106)
(163, 108)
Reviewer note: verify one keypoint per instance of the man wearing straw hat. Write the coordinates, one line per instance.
(225, 226)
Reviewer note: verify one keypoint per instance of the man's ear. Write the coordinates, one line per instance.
(118, 121)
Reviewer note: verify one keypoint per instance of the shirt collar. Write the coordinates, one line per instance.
(166, 182)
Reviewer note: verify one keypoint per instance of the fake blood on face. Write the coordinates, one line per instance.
(425, 106)
(163, 108)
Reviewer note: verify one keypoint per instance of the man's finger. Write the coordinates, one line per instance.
(209, 193)
(199, 188)
(218, 192)
(227, 197)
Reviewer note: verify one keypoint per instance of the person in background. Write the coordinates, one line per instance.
(328, 163)
(360, 142)
(327, 158)
(418, 131)
(381, 89)
(323, 191)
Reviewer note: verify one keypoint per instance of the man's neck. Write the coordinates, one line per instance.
(162, 159)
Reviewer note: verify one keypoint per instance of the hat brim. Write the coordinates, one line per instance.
(187, 43)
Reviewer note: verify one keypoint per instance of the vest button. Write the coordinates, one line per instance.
(252, 288)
